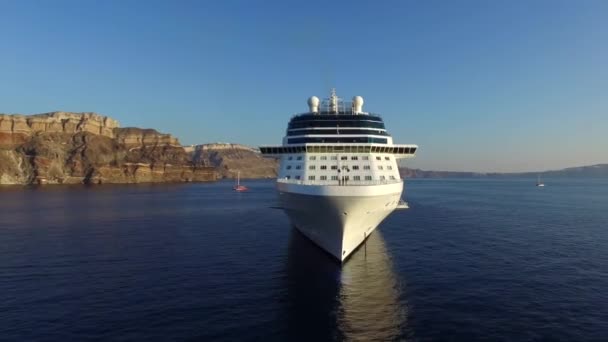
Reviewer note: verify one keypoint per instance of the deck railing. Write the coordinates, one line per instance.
(339, 183)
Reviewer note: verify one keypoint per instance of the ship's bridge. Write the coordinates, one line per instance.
(311, 123)
(341, 127)
(399, 151)
(336, 121)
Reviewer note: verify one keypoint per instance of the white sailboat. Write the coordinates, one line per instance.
(238, 187)
(539, 182)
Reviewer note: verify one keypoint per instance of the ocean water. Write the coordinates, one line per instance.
(471, 260)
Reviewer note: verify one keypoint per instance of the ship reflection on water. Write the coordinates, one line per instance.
(359, 301)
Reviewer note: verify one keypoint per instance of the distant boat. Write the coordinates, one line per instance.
(238, 187)
(539, 182)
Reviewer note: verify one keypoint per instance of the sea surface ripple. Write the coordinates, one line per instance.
(487, 259)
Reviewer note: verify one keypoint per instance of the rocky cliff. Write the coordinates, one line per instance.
(228, 159)
(69, 148)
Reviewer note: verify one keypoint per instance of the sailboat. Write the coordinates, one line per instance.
(238, 187)
(539, 182)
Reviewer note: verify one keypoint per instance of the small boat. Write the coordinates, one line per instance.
(238, 187)
(539, 182)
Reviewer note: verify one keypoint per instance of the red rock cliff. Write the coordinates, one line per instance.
(68, 148)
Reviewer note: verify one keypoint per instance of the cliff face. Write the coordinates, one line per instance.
(228, 159)
(69, 148)
(16, 129)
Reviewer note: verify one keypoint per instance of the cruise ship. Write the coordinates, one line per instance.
(338, 177)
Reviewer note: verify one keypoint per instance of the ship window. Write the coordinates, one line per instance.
(366, 167)
(382, 178)
(344, 167)
(287, 177)
(323, 167)
(378, 158)
(357, 178)
(392, 177)
(323, 177)
(334, 157)
(387, 158)
(389, 167)
(354, 158)
(368, 177)
(298, 167)
(312, 158)
(334, 177)
(334, 167)
(312, 167)
(344, 158)
(300, 158)
(334, 140)
(365, 158)
(323, 157)
(380, 167)
(311, 177)
(290, 158)
(297, 177)
(288, 167)
(355, 167)
(412, 150)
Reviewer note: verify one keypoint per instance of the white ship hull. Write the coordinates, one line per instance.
(338, 218)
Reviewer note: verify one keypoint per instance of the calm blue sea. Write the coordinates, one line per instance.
(471, 260)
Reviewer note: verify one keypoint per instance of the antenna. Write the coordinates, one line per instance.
(333, 101)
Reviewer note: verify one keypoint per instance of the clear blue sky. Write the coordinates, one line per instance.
(479, 85)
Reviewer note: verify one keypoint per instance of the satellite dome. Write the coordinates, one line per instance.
(313, 104)
(357, 104)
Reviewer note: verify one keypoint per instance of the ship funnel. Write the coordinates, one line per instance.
(313, 104)
(357, 104)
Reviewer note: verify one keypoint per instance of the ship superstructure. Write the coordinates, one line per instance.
(338, 176)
